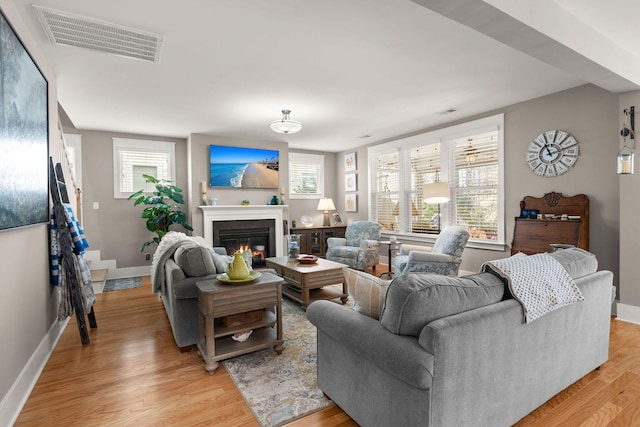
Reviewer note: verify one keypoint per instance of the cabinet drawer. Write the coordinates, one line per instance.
(292, 276)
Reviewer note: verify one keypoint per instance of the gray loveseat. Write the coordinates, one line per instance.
(179, 262)
(451, 351)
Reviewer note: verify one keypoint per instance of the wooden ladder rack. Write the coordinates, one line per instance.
(67, 251)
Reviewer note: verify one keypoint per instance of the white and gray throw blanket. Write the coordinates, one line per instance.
(539, 282)
(168, 245)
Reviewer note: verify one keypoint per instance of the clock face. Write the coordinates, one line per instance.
(552, 153)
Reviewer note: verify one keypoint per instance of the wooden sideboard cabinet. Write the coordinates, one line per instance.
(313, 240)
(531, 236)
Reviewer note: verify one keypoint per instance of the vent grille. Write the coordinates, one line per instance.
(87, 33)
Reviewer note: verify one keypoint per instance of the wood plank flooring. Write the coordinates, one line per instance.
(132, 374)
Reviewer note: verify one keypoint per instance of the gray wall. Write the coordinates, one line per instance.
(28, 303)
(116, 228)
(587, 112)
(629, 207)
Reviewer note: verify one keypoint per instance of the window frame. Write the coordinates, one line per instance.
(446, 137)
(311, 159)
(121, 145)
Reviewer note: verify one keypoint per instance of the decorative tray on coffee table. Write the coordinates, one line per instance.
(224, 277)
(307, 259)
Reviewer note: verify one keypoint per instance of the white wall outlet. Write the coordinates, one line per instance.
(147, 257)
(96, 205)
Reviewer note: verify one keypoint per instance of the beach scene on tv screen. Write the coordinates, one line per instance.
(242, 167)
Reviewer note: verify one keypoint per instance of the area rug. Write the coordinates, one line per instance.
(124, 283)
(279, 389)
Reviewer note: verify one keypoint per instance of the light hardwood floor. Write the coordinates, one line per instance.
(132, 374)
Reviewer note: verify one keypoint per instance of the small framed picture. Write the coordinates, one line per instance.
(351, 202)
(350, 182)
(350, 164)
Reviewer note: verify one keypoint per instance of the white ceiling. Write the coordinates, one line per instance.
(353, 72)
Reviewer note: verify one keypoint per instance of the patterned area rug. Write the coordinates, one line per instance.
(279, 389)
(125, 283)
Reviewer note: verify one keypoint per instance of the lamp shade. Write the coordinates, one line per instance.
(326, 205)
(438, 192)
(286, 125)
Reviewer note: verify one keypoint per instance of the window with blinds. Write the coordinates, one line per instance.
(306, 176)
(476, 182)
(424, 162)
(386, 190)
(468, 157)
(134, 158)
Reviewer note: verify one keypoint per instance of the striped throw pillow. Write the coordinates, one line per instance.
(368, 292)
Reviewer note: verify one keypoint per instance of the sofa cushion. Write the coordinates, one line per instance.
(367, 291)
(414, 300)
(194, 260)
(576, 261)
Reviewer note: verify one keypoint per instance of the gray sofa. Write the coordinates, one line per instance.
(451, 351)
(179, 262)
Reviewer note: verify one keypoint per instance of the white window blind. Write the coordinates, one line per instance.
(476, 182)
(134, 158)
(424, 162)
(306, 176)
(386, 190)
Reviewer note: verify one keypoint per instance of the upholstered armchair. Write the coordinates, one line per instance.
(359, 246)
(444, 258)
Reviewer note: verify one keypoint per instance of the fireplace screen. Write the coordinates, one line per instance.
(258, 236)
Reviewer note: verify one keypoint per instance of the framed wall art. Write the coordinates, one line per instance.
(350, 164)
(351, 202)
(24, 135)
(350, 182)
(242, 167)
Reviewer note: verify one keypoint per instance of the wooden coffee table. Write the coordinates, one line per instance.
(305, 282)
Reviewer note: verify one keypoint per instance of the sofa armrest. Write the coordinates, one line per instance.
(172, 273)
(430, 257)
(336, 241)
(367, 245)
(406, 248)
(400, 356)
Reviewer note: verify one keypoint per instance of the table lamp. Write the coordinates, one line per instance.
(326, 205)
(437, 192)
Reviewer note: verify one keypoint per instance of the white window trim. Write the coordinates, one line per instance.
(124, 144)
(311, 159)
(403, 146)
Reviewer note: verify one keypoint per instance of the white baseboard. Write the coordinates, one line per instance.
(121, 273)
(14, 401)
(628, 313)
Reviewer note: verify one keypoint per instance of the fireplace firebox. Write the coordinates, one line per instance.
(255, 235)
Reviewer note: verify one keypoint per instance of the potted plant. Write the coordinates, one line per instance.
(161, 209)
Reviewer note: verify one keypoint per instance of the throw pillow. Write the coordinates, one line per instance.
(194, 260)
(367, 291)
(576, 261)
(414, 300)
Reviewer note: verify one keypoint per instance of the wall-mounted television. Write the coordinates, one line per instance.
(242, 167)
(24, 135)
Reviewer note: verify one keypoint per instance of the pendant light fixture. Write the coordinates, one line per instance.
(286, 125)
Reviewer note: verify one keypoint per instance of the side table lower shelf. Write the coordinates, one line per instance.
(217, 300)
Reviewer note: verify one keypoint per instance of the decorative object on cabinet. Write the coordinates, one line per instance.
(552, 153)
(336, 218)
(313, 240)
(625, 158)
(286, 125)
(350, 164)
(306, 220)
(351, 202)
(532, 236)
(326, 205)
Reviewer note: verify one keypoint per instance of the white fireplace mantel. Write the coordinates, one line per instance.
(237, 212)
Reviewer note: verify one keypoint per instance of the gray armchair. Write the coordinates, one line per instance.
(359, 248)
(444, 258)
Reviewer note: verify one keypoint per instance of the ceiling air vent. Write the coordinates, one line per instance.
(88, 33)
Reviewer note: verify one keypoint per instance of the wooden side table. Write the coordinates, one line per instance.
(217, 299)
